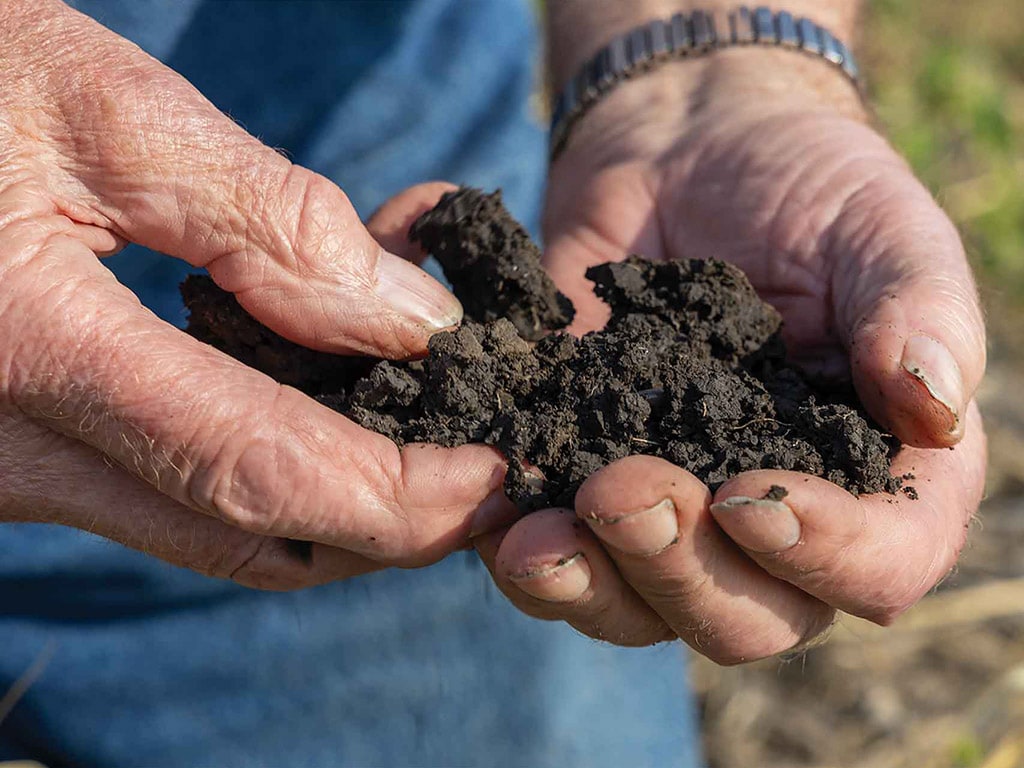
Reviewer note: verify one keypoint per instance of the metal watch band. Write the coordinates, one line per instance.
(686, 35)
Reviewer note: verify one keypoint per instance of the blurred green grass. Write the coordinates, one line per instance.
(947, 78)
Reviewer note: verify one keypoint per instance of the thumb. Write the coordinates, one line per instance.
(910, 307)
(290, 246)
(174, 174)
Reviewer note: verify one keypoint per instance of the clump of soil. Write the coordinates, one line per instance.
(691, 367)
(492, 264)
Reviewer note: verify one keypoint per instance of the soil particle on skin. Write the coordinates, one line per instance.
(691, 367)
(776, 493)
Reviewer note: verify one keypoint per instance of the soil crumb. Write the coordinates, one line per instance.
(691, 368)
(492, 264)
(776, 493)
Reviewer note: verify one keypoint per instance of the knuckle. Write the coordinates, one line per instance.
(278, 470)
(907, 589)
(132, 124)
(409, 533)
(296, 217)
(239, 473)
(307, 215)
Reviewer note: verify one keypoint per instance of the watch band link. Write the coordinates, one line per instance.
(685, 35)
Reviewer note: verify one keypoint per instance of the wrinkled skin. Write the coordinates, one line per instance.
(115, 422)
(835, 231)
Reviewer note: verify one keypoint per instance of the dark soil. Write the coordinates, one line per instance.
(493, 266)
(217, 318)
(691, 367)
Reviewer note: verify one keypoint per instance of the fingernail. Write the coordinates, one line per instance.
(646, 532)
(415, 295)
(563, 582)
(534, 478)
(760, 525)
(928, 360)
(493, 513)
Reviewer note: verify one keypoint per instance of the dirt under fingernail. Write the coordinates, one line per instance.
(691, 367)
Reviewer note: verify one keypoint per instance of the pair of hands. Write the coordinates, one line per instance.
(117, 423)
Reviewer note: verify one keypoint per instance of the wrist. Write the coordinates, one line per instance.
(647, 114)
(576, 29)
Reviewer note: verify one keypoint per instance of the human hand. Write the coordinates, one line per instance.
(763, 158)
(115, 422)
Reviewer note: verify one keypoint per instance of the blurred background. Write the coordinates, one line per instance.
(944, 687)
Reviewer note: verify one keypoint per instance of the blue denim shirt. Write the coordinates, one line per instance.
(154, 665)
